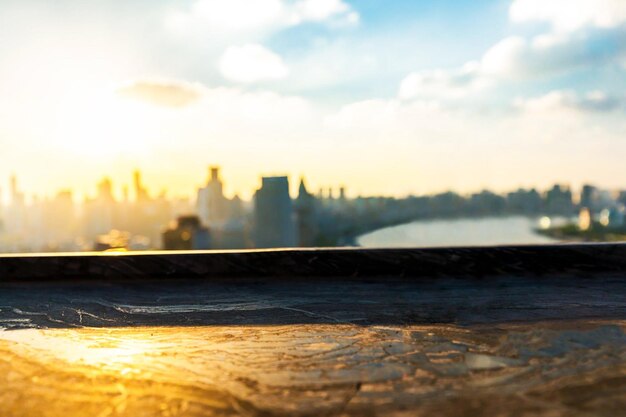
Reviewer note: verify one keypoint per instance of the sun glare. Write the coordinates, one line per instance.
(96, 123)
(92, 347)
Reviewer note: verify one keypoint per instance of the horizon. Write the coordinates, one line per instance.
(156, 192)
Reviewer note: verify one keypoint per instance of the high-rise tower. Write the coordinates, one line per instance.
(212, 205)
(274, 224)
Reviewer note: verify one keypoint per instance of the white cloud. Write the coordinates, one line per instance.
(366, 115)
(455, 83)
(229, 16)
(218, 113)
(567, 15)
(548, 53)
(403, 121)
(559, 100)
(585, 34)
(515, 58)
(231, 110)
(236, 17)
(505, 56)
(320, 10)
(445, 146)
(251, 63)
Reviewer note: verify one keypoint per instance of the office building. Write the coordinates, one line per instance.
(274, 223)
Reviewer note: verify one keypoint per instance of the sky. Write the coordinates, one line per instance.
(387, 98)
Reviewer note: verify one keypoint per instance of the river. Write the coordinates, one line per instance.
(458, 232)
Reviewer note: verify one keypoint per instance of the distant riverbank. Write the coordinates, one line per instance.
(458, 232)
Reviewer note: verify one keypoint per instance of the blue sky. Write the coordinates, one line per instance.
(398, 97)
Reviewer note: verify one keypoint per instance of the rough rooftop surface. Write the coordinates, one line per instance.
(570, 369)
(509, 340)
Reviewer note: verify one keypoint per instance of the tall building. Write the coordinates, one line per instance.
(141, 193)
(559, 201)
(105, 190)
(146, 215)
(588, 197)
(59, 219)
(274, 224)
(233, 233)
(524, 201)
(15, 220)
(17, 197)
(99, 213)
(212, 205)
(2, 213)
(306, 215)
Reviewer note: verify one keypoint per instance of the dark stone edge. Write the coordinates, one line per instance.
(579, 260)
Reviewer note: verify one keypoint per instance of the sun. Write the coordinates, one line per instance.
(97, 123)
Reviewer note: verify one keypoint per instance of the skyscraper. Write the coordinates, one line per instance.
(589, 197)
(17, 197)
(274, 224)
(141, 194)
(16, 213)
(99, 213)
(306, 214)
(212, 205)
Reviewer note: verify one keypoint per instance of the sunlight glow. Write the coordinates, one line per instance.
(545, 222)
(103, 349)
(97, 123)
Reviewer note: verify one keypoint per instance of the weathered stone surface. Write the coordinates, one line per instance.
(565, 368)
(538, 331)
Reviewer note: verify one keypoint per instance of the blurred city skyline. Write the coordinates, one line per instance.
(127, 188)
(143, 219)
(394, 98)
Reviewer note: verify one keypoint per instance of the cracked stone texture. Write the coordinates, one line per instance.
(565, 368)
(515, 346)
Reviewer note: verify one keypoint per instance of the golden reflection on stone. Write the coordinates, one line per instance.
(538, 369)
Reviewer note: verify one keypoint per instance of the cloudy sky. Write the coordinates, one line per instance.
(392, 97)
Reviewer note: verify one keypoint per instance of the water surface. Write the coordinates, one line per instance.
(458, 232)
